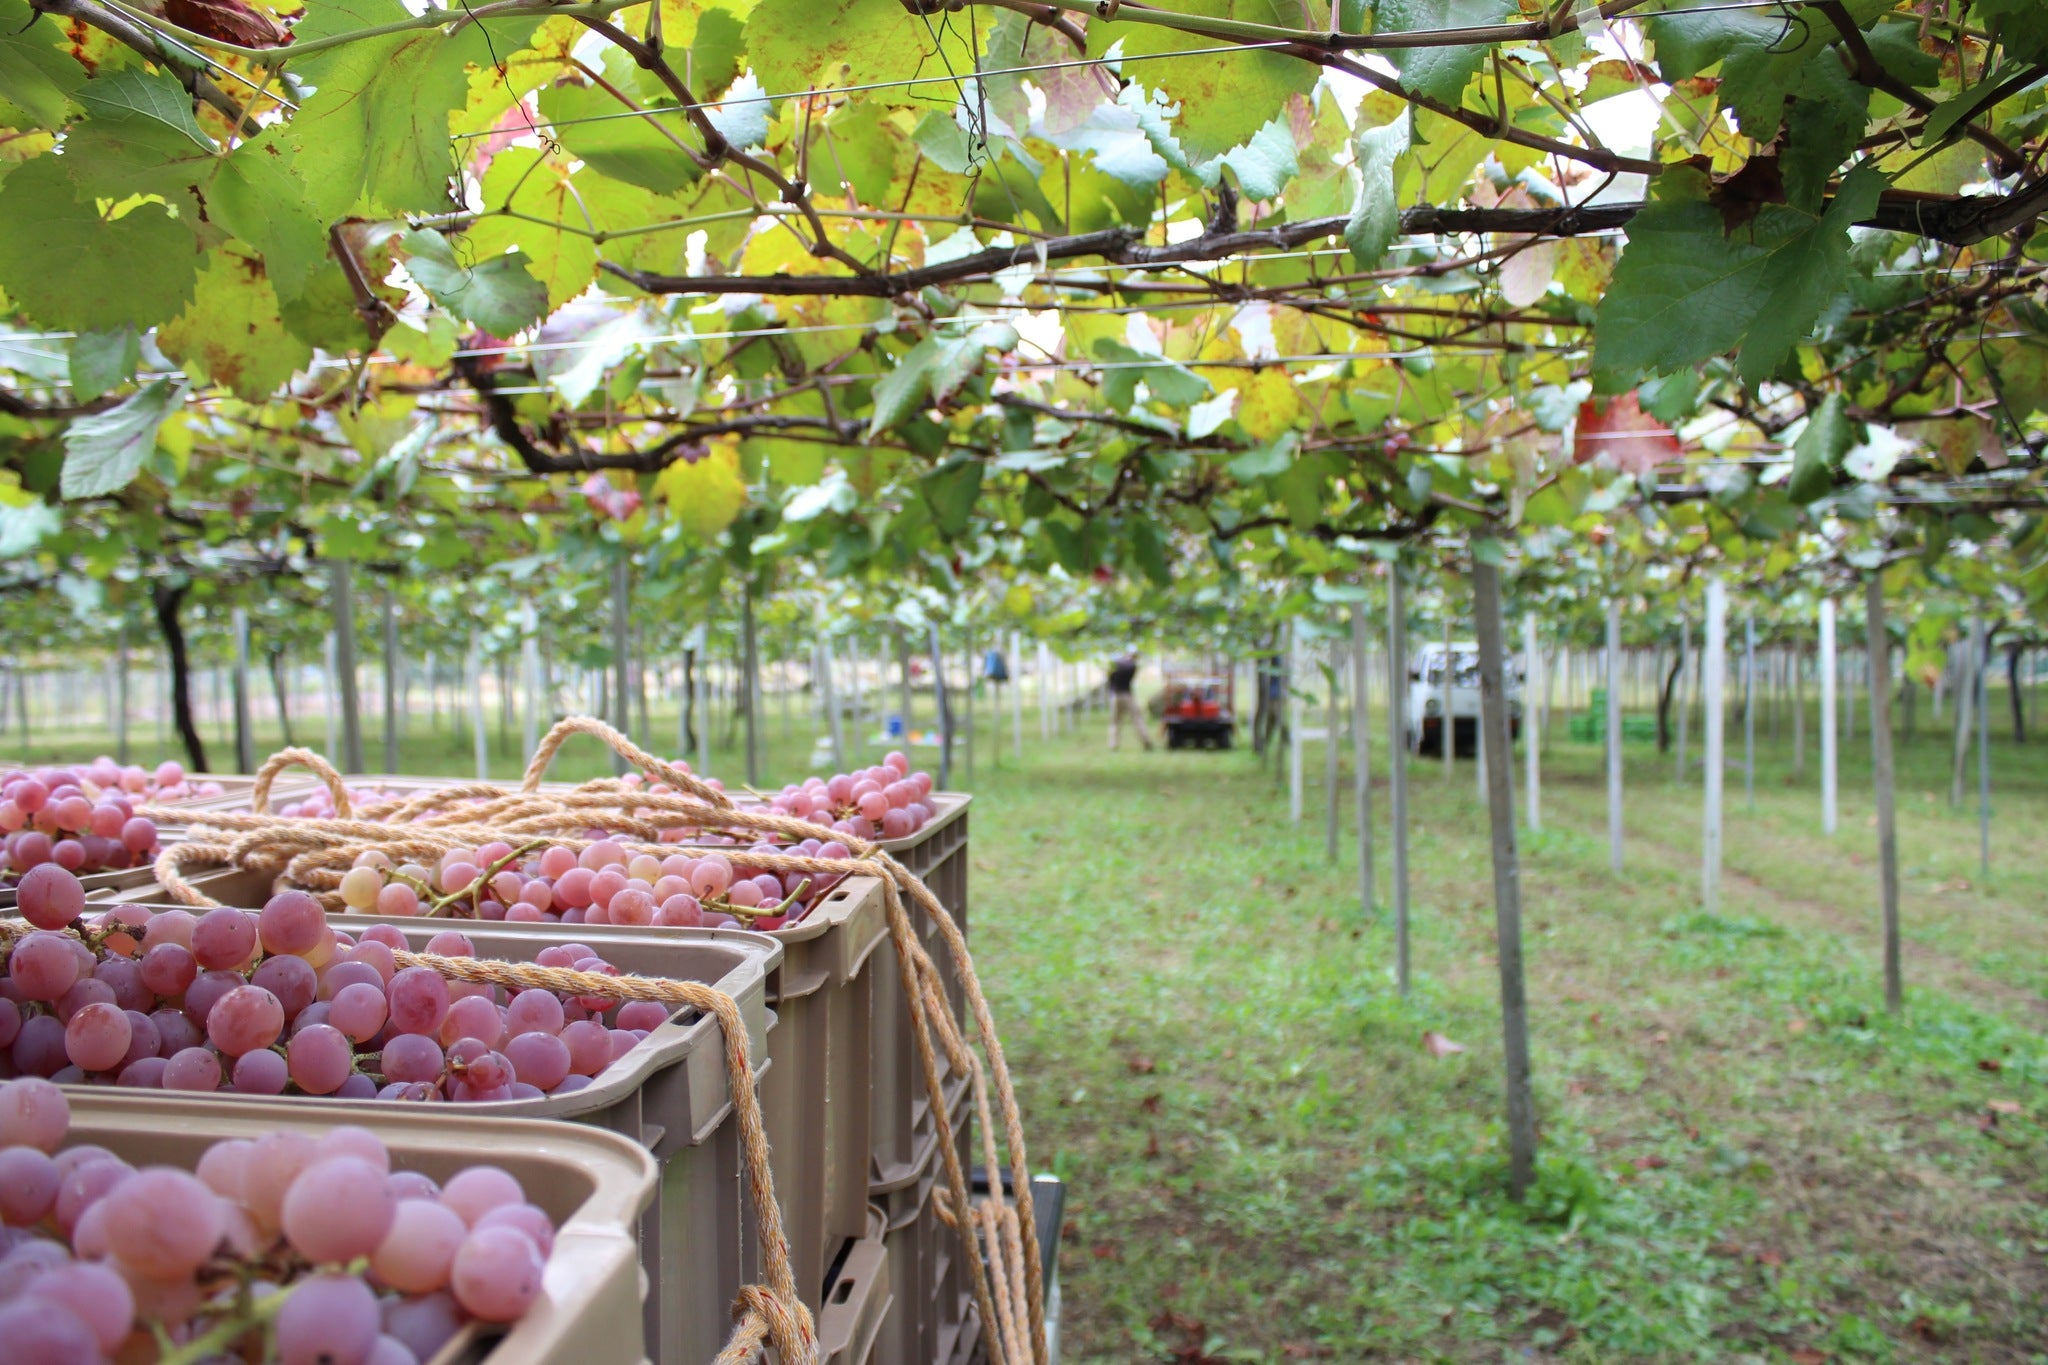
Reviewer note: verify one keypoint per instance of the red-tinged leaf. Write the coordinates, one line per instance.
(1806, 1355)
(230, 21)
(1650, 1163)
(1140, 1064)
(1152, 1147)
(2006, 1107)
(1150, 1104)
(1620, 435)
(1440, 1046)
(1990, 1064)
(515, 123)
(1771, 1258)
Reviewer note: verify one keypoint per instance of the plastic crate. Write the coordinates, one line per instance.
(593, 1184)
(1049, 1209)
(670, 1095)
(857, 1298)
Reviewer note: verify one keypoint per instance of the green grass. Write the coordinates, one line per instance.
(1743, 1157)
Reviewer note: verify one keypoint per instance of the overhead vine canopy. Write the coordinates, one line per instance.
(1102, 283)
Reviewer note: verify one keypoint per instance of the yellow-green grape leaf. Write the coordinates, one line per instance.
(497, 293)
(803, 45)
(649, 151)
(1224, 99)
(559, 251)
(375, 132)
(36, 78)
(231, 332)
(705, 493)
(67, 265)
(1267, 403)
(1439, 73)
(861, 151)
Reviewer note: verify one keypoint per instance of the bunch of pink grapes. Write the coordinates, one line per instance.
(606, 882)
(350, 1261)
(279, 1003)
(63, 816)
(887, 801)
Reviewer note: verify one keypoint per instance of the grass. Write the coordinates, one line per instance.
(1743, 1157)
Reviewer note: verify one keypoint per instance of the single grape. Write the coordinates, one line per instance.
(533, 1011)
(417, 1254)
(168, 969)
(528, 1218)
(223, 939)
(97, 1037)
(424, 1324)
(291, 922)
(320, 1058)
(223, 1167)
(49, 897)
(274, 1163)
(291, 979)
(93, 1294)
(261, 1072)
(419, 1001)
(33, 1113)
(539, 1059)
(37, 1334)
(476, 1190)
(337, 1210)
(43, 966)
(497, 1273)
(28, 1186)
(358, 1010)
(196, 1068)
(412, 1057)
(360, 887)
(163, 1223)
(327, 1320)
(244, 1020)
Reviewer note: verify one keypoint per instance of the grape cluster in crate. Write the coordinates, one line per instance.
(301, 1249)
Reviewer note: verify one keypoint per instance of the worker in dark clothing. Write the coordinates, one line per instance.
(1123, 671)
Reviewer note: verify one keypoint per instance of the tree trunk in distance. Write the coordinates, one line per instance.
(167, 601)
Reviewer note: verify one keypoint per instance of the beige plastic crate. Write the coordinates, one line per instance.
(858, 1296)
(670, 1095)
(594, 1185)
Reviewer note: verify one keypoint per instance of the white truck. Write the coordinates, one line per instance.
(1432, 698)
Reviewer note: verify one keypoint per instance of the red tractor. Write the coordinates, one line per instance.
(1198, 710)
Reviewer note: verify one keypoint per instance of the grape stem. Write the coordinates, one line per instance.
(474, 891)
(222, 1335)
(766, 912)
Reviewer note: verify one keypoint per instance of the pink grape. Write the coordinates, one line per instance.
(93, 1294)
(193, 1069)
(497, 1273)
(49, 897)
(476, 1190)
(412, 1057)
(33, 1113)
(97, 1037)
(290, 979)
(163, 1223)
(358, 1010)
(327, 1320)
(419, 1001)
(28, 1185)
(398, 899)
(539, 1059)
(337, 1210)
(42, 966)
(419, 1251)
(245, 1019)
(274, 1163)
(261, 1072)
(291, 922)
(223, 938)
(321, 1059)
(37, 1334)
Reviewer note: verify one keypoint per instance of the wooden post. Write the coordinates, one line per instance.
(1614, 733)
(1749, 708)
(328, 699)
(1449, 730)
(1680, 701)
(1980, 649)
(1507, 886)
(1361, 755)
(245, 738)
(622, 607)
(1715, 672)
(390, 681)
(1332, 674)
(341, 588)
(1795, 662)
(1881, 766)
(1397, 762)
(834, 722)
(945, 705)
(1966, 671)
(1532, 668)
(1293, 725)
(750, 662)
(1825, 666)
(480, 740)
(1044, 693)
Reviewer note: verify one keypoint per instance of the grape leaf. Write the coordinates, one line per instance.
(950, 491)
(1818, 452)
(2021, 25)
(704, 494)
(1761, 57)
(1376, 213)
(494, 292)
(103, 452)
(231, 332)
(1822, 125)
(154, 98)
(801, 45)
(641, 151)
(36, 78)
(67, 266)
(1224, 100)
(258, 195)
(102, 361)
(374, 134)
(1686, 290)
(1440, 73)
(558, 248)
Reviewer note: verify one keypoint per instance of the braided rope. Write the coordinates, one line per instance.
(313, 854)
(259, 795)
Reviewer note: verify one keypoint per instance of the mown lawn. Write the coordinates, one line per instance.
(1743, 1158)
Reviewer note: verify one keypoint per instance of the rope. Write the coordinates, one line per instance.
(313, 854)
(259, 795)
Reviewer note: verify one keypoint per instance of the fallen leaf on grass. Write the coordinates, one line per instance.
(2006, 1107)
(1440, 1046)
(1140, 1064)
(1660, 1037)
(1152, 1147)
(1771, 1258)
(1990, 1064)
(1796, 1025)
(1650, 1163)
(1150, 1104)
(1806, 1355)
(1304, 1350)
